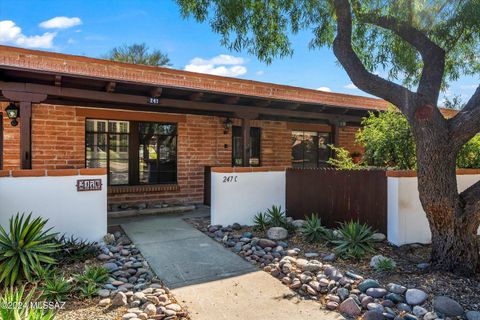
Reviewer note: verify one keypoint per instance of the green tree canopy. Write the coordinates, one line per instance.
(265, 29)
(139, 54)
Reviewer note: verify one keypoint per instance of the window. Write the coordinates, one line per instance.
(237, 146)
(133, 152)
(310, 149)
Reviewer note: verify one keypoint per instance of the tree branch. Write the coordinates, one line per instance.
(471, 200)
(360, 76)
(466, 123)
(433, 56)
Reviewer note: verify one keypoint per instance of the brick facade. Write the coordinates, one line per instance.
(346, 139)
(58, 142)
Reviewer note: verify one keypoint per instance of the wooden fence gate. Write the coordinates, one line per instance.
(338, 196)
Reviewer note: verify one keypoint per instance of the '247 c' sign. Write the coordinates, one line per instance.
(89, 185)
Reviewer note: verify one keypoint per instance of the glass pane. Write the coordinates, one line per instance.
(150, 128)
(310, 154)
(118, 126)
(324, 152)
(118, 171)
(96, 146)
(97, 163)
(255, 146)
(96, 125)
(237, 146)
(297, 149)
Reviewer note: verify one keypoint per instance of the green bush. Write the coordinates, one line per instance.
(95, 275)
(388, 142)
(72, 249)
(276, 217)
(25, 247)
(385, 265)
(260, 222)
(355, 240)
(56, 288)
(23, 306)
(342, 160)
(313, 231)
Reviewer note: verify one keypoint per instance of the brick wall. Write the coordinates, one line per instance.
(347, 139)
(58, 138)
(11, 142)
(58, 142)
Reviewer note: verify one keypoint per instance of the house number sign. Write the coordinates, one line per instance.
(89, 185)
(227, 179)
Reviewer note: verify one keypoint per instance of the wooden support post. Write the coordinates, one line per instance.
(26, 135)
(246, 141)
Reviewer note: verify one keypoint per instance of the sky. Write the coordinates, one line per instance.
(93, 27)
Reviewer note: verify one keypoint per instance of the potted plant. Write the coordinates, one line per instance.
(356, 156)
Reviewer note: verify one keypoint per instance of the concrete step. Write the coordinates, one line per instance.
(149, 211)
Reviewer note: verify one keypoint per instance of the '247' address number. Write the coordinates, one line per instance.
(227, 179)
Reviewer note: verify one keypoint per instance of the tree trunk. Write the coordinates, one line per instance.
(454, 229)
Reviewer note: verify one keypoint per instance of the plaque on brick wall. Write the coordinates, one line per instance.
(89, 185)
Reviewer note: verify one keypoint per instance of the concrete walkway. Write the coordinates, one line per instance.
(213, 282)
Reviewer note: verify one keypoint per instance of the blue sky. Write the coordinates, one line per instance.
(93, 27)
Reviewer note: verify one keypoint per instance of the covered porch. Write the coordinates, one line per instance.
(67, 104)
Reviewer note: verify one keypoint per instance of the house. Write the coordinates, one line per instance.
(156, 129)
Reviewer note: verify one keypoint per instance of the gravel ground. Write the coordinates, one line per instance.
(464, 290)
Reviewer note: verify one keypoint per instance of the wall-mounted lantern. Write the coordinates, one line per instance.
(12, 113)
(227, 125)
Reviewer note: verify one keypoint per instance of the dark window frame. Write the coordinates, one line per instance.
(133, 151)
(240, 137)
(317, 150)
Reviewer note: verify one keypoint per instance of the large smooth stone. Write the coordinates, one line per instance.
(415, 296)
(350, 308)
(447, 306)
(277, 233)
(367, 284)
(264, 243)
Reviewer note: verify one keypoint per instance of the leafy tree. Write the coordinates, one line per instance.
(454, 103)
(425, 44)
(342, 159)
(138, 53)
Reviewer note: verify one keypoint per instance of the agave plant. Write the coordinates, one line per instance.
(56, 288)
(276, 217)
(73, 249)
(95, 275)
(25, 247)
(355, 241)
(312, 230)
(260, 222)
(16, 305)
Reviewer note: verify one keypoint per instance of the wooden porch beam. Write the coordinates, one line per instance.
(197, 96)
(231, 100)
(110, 87)
(58, 80)
(88, 95)
(156, 92)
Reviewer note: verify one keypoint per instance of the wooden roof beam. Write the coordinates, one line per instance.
(156, 92)
(58, 80)
(110, 87)
(231, 100)
(197, 96)
(262, 103)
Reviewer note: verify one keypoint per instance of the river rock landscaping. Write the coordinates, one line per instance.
(132, 291)
(403, 288)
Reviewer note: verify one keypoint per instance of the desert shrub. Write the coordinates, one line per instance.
(95, 275)
(342, 160)
(26, 246)
(42, 272)
(260, 222)
(276, 217)
(56, 288)
(72, 249)
(23, 306)
(469, 155)
(385, 264)
(312, 230)
(88, 290)
(355, 241)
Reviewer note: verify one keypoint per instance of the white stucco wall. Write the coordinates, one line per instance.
(238, 196)
(407, 222)
(82, 214)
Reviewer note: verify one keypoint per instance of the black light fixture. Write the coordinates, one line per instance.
(227, 125)
(12, 113)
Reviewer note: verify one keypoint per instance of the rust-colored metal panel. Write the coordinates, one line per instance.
(338, 196)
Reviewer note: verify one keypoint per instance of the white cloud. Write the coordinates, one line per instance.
(60, 23)
(325, 89)
(350, 86)
(10, 33)
(259, 73)
(221, 65)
